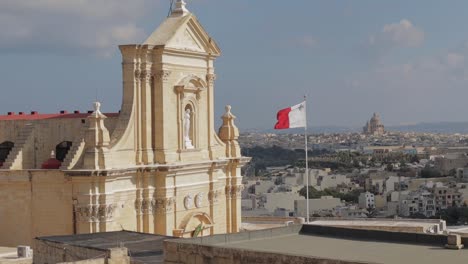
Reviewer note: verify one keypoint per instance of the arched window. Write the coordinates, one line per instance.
(5, 149)
(62, 149)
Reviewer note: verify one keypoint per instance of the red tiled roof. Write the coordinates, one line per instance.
(36, 116)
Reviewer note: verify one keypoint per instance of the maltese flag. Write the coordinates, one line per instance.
(294, 116)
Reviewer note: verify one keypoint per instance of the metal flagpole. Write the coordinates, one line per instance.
(306, 160)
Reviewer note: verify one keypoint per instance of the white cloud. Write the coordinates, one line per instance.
(396, 35)
(418, 88)
(403, 33)
(455, 60)
(96, 26)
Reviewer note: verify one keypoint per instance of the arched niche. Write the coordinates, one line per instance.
(190, 130)
(5, 149)
(194, 225)
(61, 150)
(189, 91)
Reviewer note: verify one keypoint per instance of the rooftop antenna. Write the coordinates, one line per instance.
(170, 8)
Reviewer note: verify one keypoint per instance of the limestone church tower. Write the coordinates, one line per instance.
(157, 166)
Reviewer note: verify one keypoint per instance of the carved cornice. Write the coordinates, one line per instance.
(95, 213)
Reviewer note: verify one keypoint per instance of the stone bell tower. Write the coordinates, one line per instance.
(190, 175)
(171, 78)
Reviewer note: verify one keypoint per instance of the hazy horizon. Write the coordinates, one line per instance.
(404, 60)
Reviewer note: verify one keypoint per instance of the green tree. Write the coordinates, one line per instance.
(429, 172)
(414, 159)
(389, 167)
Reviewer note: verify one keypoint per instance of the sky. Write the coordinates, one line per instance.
(403, 59)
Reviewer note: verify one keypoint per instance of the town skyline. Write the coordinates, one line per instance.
(397, 59)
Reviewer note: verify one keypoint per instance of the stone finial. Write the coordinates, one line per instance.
(97, 111)
(180, 9)
(228, 113)
(52, 154)
(229, 133)
(97, 139)
(97, 107)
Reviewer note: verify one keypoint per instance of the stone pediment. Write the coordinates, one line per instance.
(184, 40)
(183, 33)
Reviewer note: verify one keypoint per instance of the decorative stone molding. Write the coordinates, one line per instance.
(145, 76)
(210, 78)
(236, 191)
(95, 213)
(137, 74)
(162, 75)
(139, 206)
(213, 196)
(163, 205)
(143, 206)
(188, 201)
(199, 199)
(146, 206)
(227, 191)
(229, 133)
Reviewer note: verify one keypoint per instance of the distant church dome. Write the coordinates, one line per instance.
(374, 126)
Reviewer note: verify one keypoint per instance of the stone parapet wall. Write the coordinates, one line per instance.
(192, 254)
(408, 229)
(267, 219)
(50, 252)
(46, 252)
(375, 235)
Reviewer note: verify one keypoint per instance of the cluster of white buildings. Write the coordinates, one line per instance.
(264, 197)
(382, 194)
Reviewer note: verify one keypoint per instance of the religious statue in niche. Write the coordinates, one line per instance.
(187, 140)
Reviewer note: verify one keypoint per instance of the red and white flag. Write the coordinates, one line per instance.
(294, 116)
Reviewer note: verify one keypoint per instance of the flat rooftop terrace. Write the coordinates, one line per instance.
(142, 248)
(317, 244)
(353, 250)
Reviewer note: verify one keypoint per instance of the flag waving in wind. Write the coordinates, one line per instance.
(291, 117)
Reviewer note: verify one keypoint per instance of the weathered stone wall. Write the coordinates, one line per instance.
(46, 135)
(34, 203)
(46, 252)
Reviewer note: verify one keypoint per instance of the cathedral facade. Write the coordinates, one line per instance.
(157, 166)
